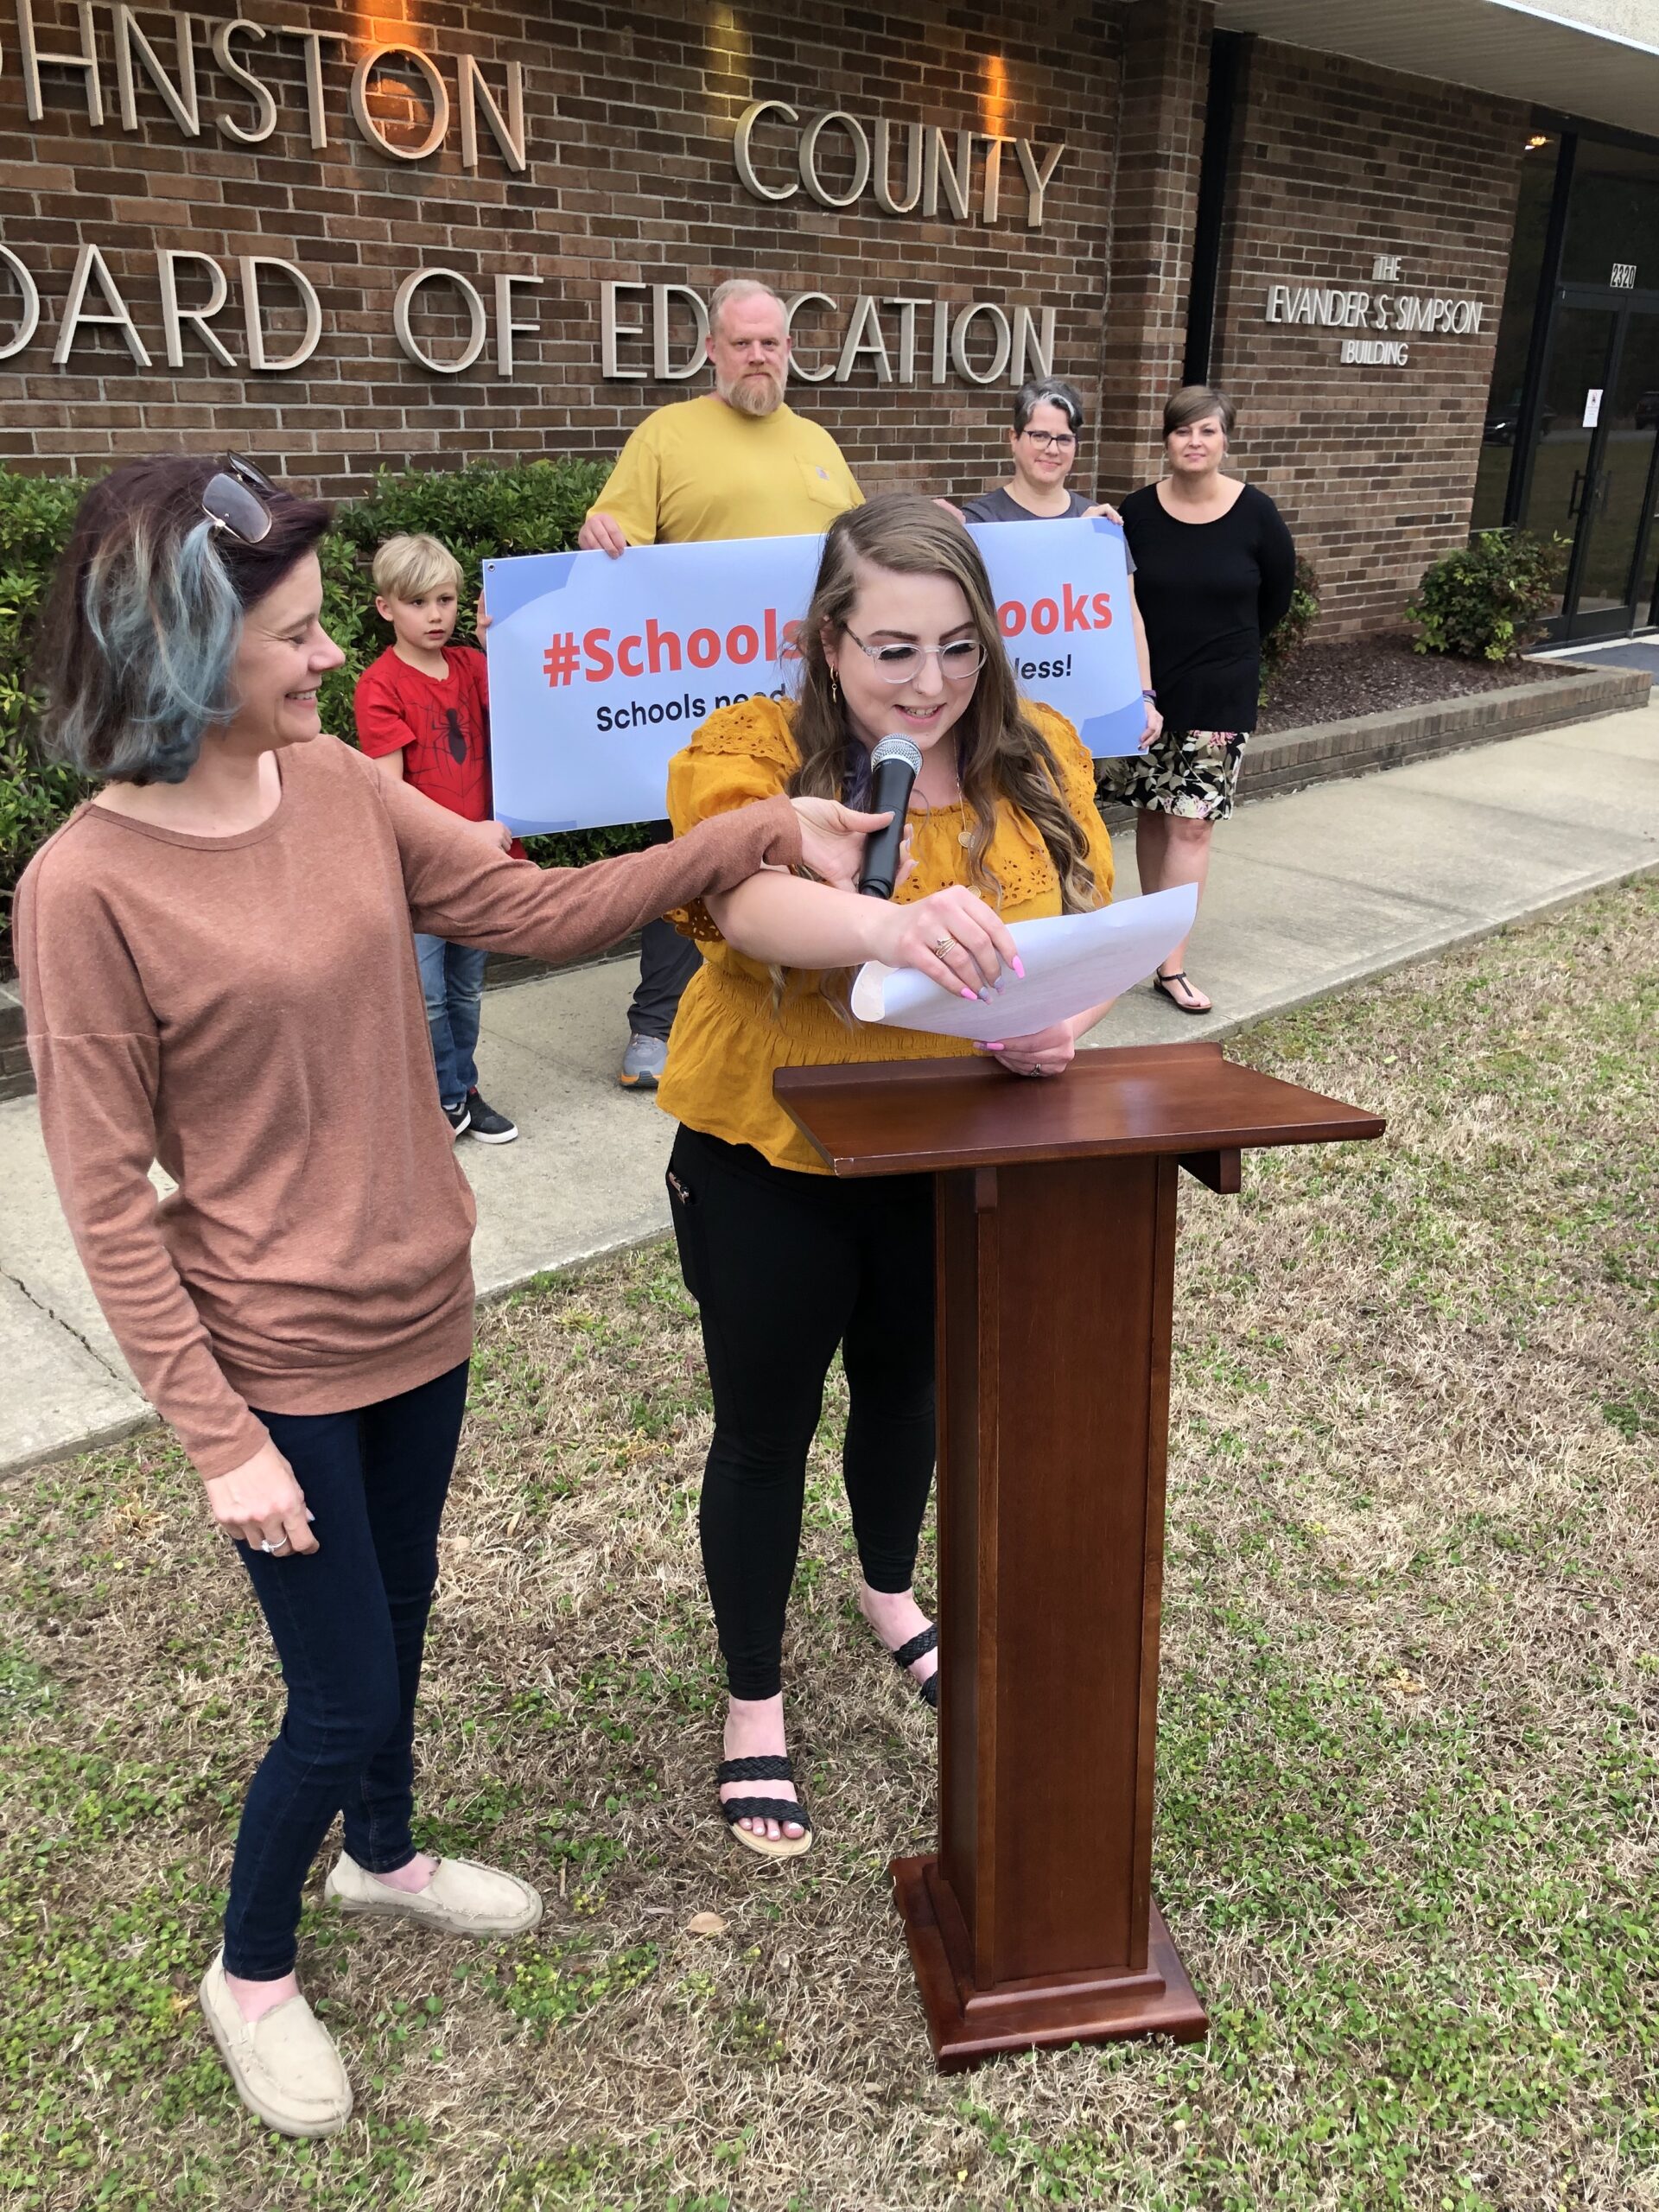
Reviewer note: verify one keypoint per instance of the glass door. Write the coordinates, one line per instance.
(1594, 466)
(1618, 505)
(1567, 433)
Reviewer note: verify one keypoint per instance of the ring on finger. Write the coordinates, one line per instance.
(943, 944)
(265, 1545)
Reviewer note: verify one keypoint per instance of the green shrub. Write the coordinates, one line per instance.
(1285, 639)
(1487, 599)
(478, 513)
(36, 513)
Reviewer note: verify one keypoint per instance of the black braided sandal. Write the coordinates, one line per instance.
(906, 1655)
(770, 1768)
(1160, 983)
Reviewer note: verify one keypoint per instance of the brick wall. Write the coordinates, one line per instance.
(1373, 466)
(1161, 145)
(630, 113)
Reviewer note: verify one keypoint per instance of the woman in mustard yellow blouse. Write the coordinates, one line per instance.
(784, 1261)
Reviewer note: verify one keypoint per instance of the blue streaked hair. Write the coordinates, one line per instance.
(140, 634)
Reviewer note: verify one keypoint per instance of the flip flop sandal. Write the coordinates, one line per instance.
(906, 1655)
(1160, 983)
(770, 1768)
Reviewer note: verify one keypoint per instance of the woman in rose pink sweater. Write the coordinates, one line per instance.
(219, 972)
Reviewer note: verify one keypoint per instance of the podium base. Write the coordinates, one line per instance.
(966, 2025)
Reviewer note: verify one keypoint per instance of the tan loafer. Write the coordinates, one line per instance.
(461, 1898)
(285, 2066)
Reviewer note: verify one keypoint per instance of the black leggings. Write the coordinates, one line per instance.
(784, 1267)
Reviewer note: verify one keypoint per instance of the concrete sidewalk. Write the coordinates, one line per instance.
(1308, 892)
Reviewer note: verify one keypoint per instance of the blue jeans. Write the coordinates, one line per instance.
(349, 1622)
(452, 983)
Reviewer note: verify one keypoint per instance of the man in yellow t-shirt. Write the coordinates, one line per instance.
(734, 462)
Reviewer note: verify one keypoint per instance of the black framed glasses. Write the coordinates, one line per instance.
(238, 500)
(1051, 441)
(899, 663)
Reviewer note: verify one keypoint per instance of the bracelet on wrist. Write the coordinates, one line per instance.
(1150, 697)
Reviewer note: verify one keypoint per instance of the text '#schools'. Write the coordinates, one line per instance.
(656, 650)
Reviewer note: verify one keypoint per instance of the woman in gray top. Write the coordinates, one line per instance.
(1047, 425)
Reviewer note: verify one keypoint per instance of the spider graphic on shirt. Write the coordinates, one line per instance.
(449, 761)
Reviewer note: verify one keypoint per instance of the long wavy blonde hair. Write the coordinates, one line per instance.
(1002, 755)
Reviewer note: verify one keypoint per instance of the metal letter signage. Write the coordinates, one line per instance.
(437, 97)
(1332, 306)
(957, 171)
(234, 83)
(984, 342)
(182, 84)
(29, 311)
(477, 321)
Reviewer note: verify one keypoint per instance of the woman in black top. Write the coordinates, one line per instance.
(1214, 571)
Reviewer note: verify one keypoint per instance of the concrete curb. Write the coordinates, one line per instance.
(17, 1077)
(1288, 761)
(1368, 971)
(95, 1440)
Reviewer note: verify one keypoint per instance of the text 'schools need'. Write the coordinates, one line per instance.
(599, 670)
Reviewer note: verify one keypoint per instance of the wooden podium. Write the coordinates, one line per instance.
(1035, 1923)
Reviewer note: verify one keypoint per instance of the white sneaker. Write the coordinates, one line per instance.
(284, 2065)
(461, 1898)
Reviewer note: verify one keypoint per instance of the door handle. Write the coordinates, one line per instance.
(1573, 496)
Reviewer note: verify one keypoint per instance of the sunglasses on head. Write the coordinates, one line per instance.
(236, 499)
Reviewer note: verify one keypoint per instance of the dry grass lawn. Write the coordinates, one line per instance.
(1407, 1822)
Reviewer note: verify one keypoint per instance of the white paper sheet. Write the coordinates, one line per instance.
(1072, 962)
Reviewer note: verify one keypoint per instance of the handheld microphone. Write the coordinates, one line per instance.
(894, 765)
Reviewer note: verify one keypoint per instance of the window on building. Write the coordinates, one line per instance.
(1515, 330)
(1612, 218)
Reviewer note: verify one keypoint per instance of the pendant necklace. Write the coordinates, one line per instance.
(965, 836)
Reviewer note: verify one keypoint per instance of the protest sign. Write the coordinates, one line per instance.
(600, 670)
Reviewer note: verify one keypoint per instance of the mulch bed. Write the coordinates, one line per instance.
(1327, 683)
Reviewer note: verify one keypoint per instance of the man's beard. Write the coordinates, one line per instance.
(759, 391)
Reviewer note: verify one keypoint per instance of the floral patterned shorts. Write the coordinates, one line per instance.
(1190, 772)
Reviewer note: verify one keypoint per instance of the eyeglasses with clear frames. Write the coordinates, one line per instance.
(899, 663)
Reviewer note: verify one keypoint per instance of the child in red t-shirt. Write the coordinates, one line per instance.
(423, 718)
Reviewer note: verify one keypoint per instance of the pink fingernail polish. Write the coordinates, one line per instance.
(966, 994)
(1018, 967)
